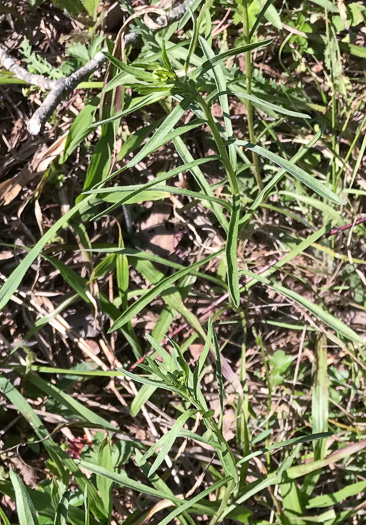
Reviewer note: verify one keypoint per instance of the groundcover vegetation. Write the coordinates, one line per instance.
(183, 262)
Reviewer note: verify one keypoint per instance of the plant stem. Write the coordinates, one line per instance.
(228, 492)
(248, 73)
(220, 145)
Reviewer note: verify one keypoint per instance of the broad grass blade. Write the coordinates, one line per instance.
(25, 509)
(63, 509)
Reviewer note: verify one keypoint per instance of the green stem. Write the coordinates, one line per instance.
(248, 73)
(220, 145)
(228, 492)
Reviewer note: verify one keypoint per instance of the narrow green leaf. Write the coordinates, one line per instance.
(209, 64)
(163, 133)
(161, 351)
(259, 18)
(69, 402)
(135, 104)
(189, 504)
(91, 6)
(151, 382)
(25, 509)
(258, 486)
(157, 193)
(101, 160)
(335, 457)
(327, 5)
(135, 308)
(73, 279)
(327, 318)
(318, 204)
(138, 71)
(293, 441)
(319, 400)
(200, 179)
(267, 105)
(231, 252)
(122, 479)
(328, 500)
(166, 442)
(294, 170)
(137, 138)
(80, 128)
(220, 385)
(3, 518)
(220, 81)
(267, 189)
(104, 485)
(17, 275)
(203, 357)
(60, 458)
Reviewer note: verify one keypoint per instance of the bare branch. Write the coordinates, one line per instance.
(60, 90)
(64, 86)
(37, 80)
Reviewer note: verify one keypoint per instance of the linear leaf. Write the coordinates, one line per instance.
(232, 252)
(322, 315)
(167, 441)
(61, 459)
(135, 308)
(17, 275)
(268, 105)
(160, 178)
(122, 479)
(25, 509)
(69, 402)
(297, 172)
(189, 504)
(209, 64)
(199, 177)
(63, 509)
(220, 80)
(220, 385)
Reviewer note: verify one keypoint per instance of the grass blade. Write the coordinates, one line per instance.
(25, 509)
(232, 252)
(17, 275)
(327, 318)
(294, 170)
(154, 292)
(167, 441)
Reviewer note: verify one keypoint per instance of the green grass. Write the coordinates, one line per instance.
(268, 299)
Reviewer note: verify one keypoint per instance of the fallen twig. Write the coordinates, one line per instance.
(22, 74)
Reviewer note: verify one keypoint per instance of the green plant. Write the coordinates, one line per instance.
(186, 90)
